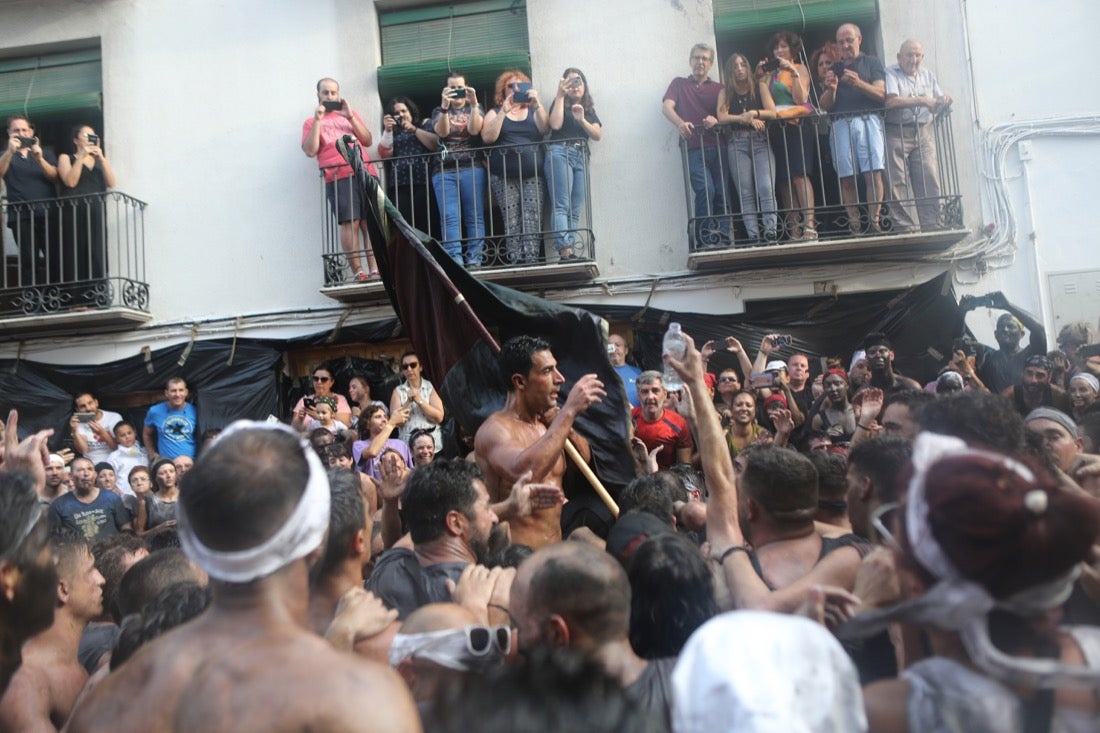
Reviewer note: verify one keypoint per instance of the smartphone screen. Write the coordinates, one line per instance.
(762, 380)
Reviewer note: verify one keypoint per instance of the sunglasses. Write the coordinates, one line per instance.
(322, 379)
(727, 380)
(410, 365)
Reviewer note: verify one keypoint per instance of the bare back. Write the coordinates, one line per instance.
(210, 675)
(42, 692)
(498, 446)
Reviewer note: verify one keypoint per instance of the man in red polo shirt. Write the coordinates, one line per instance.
(656, 426)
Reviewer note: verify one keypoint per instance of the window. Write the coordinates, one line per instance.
(58, 86)
(480, 39)
(746, 25)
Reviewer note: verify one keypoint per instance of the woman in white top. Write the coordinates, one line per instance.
(420, 398)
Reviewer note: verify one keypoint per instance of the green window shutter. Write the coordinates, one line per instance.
(745, 25)
(480, 38)
(51, 84)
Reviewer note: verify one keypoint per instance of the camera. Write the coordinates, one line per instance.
(839, 67)
(965, 345)
(784, 340)
(770, 65)
(93, 139)
(333, 106)
(576, 83)
(26, 142)
(519, 92)
(458, 92)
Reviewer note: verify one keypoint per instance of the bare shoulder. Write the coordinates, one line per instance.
(25, 705)
(494, 428)
(248, 691)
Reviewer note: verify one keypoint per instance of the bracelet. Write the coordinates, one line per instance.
(721, 559)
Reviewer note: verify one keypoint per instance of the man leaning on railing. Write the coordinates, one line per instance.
(29, 173)
(913, 100)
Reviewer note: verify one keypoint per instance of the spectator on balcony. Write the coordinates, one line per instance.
(85, 174)
(170, 426)
(573, 122)
(411, 139)
(420, 398)
(93, 428)
(828, 183)
(332, 120)
(913, 100)
(855, 89)
(29, 174)
(752, 165)
(516, 125)
(691, 105)
(788, 84)
(458, 177)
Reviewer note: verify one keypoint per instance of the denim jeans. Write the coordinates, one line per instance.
(460, 195)
(753, 171)
(565, 182)
(706, 172)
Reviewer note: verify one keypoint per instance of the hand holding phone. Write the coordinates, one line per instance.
(333, 106)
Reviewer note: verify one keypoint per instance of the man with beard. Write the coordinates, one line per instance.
(92, 512)
(660, 428)
(1036, 390)
(527, 437)
(42, 693)
(1001, 367)
(28, 578)
(880, 360)
(449, 517)
(55, 479)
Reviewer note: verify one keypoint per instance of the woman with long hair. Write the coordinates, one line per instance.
(752, 165)
(794, 143)
(573, 122)
(409, 139)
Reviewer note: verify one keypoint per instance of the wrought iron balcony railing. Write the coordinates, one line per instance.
(818, 178)
(494, 208)
(75, 253)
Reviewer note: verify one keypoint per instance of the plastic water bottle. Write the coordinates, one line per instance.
(675, 345)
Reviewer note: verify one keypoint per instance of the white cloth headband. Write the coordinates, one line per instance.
(1087, 379)
(957, 604)
(302, 532)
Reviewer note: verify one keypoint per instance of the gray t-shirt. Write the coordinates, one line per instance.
(403, 584)
(653, 690)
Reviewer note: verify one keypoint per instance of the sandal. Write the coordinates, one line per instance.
(809, 234)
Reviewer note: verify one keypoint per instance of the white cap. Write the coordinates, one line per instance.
(758, 672)
(55, 458)
(856, 358)
(774, 366)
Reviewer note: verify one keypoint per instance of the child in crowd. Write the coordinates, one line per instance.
(325, 412)
(129, 455)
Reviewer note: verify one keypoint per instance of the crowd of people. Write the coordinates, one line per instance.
(758, 132)
(438, 170)
(808, 544)
(55, 205)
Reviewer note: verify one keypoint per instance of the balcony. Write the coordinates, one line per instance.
(76, 263)
(502, 221)
(750, 207)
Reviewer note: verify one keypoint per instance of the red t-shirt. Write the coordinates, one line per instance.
(669, 430)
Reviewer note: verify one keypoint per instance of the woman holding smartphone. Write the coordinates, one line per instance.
(573, 122)
(85, 175)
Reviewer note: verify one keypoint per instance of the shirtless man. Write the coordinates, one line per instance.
(41, 694)
(528, 434)
(232, 667)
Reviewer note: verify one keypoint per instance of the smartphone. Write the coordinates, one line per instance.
(333, 106)
(771, 65)
(519, 94)
(26, 142)
(309, 403)
(93, 139)
(576, 83)
(762, 380)
(458, 92)
(85, 417)
(839, 67)
(784, 340)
